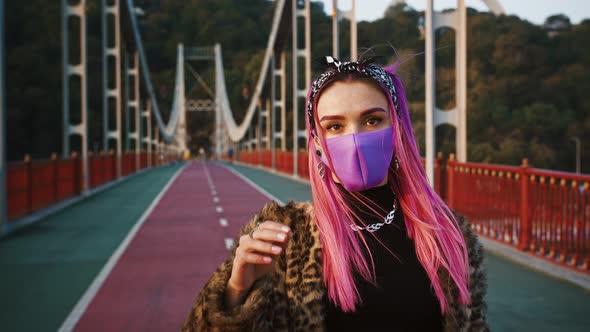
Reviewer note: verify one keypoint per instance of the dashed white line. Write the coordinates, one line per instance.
(229, 243)
(209, 180)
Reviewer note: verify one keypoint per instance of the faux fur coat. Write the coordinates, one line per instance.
(290, 298)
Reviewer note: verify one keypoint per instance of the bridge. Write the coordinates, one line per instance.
(123, 239)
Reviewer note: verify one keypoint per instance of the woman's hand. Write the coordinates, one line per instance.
(254, 258)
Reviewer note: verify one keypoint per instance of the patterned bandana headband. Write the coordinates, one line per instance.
(363, 68)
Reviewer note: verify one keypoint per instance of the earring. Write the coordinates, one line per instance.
(396, 163)
(321, 169)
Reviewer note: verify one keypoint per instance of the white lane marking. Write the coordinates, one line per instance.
(209, 179)
(229, 243)
(82, 305)
(257, 187)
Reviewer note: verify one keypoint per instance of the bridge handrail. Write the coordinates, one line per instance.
(35, 184)
(537, 210)
(544, 212)
(560, 174)
(491, 167)
(531, 170)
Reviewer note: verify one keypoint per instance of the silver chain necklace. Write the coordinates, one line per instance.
(376, 226)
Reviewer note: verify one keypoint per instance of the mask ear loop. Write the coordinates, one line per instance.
(312, 125)
(315, 129)
(321, 166)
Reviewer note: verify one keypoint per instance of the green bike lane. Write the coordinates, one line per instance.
(518, 298)
(46, 267)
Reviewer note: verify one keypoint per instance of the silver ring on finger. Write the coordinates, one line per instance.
(253, 229)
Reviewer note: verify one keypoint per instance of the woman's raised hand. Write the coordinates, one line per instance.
(254, 258)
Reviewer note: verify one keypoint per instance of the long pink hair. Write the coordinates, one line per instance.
(430, 223)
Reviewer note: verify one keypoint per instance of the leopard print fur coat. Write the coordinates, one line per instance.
(290, 298)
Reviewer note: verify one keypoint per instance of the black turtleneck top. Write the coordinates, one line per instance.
(403, 299)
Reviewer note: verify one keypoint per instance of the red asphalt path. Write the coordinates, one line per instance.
(153, 285)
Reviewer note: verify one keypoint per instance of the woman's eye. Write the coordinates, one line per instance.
(373, 121)
(334, 127)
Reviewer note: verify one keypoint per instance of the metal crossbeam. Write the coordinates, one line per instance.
(200, 105)
(199, 53)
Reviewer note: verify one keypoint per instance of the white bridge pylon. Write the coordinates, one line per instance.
(296, 20)
(456, 117)
(271, 113)
(172, 134)
(237, 132)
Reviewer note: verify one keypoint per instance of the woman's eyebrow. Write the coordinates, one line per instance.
(363, 113)
(331, 117)
(372, 110)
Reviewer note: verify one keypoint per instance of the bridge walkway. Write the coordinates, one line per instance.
(133, 257)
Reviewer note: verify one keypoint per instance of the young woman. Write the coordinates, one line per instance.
(376, 250)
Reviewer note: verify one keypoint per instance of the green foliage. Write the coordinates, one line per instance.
(527, 84)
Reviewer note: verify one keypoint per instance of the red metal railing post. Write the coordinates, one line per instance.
(439, 173)
(91, 170)
(77, 173)
(55, 163)
(564, 233)
(451, 181)
(29, 169)
(113, 161)
(100, 169)
(525, 213)
(585, 199)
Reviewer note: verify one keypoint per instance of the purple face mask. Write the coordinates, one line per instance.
(361, 160)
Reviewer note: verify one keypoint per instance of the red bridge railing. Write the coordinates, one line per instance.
(546, 213)
(32, 185)
(541, 211)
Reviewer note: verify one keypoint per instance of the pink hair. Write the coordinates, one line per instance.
(430, 223)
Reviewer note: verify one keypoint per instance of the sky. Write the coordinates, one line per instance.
(535, 11)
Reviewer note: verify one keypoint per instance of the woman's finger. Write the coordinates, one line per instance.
(267, 234)
(263, 247)
(273, 225)
(245, 257)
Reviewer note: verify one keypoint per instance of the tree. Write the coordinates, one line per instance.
(526, 84)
